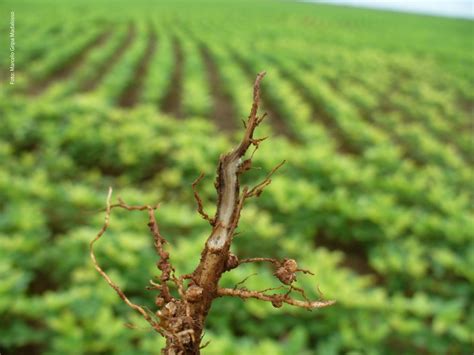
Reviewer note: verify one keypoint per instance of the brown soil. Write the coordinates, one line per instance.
(223, 111)
(355, 255)
(109, 63)
(172, 100)
(130, 95)
(41, 283)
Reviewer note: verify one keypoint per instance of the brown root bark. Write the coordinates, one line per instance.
(181, 320)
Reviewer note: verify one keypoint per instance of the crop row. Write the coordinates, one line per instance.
(405, 172)
(158, 78)
(121, 74)
(37, 41)
(196, 101)
(417, 143)
(382, 153)
(196, 98)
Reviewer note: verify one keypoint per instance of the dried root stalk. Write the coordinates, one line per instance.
(181, 319)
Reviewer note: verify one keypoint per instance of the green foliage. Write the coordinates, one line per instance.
(375, 197)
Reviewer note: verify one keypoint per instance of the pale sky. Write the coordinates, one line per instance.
(454, 8)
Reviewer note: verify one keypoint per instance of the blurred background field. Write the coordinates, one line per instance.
(372, 110)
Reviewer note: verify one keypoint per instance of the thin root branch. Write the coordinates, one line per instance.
(200, 207)
(243, 281)
(107, 277)
(258, 189)
(276, 299)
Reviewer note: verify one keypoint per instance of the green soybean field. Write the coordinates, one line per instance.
(372, 110)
